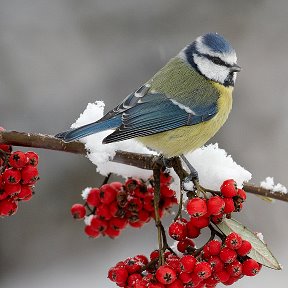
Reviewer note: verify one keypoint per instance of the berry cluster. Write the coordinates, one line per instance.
(18, 174)
(219, 262)
(202, 211)
(111, 207)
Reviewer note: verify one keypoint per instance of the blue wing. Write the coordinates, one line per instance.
(154, 113)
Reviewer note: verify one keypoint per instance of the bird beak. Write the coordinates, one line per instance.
(235, 68)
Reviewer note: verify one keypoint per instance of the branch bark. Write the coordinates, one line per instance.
(133, 159)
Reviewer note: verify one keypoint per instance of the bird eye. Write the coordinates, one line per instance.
(217, 61)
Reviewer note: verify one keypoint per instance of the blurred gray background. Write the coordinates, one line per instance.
(56, 56)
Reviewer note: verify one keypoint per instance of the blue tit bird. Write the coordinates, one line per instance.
(181, 107)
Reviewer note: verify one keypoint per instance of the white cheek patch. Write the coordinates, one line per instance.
(212, 71)
(229, 58)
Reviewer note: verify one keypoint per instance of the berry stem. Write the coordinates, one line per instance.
(106, 179)
(156, 176)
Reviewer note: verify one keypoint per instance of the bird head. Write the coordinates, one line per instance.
(213, 57)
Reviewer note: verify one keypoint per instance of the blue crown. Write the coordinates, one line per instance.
(217, 43)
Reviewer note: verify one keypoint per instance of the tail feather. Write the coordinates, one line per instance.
(89, 129)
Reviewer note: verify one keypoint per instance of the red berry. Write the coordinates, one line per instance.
(154, 254)
(165, 179)
(89, 231)
(173, 261)
(12, 189)
(142, 259)
(140, 191)
(132, 183)
(118, 223)
(234, 268)
(11, 176)
(18, 159)
(244, 249)
(134, 279)
(205, 252)
(215, 205)
(196, 207)
(149, 203)
(229, 188)
(107, 194)
(29, 174)
(115, 210)
(167, 192)
(216, 263)
(144, 216)
(78, 211)
(178, 230)
(118, 274)
(165, 274)
(203, 270)
(229, 205)
(3, 194)
(211, 282)
(176, 284)
(5, 147)
(33, 158)
(26, 193)
(133, 265)
(227, 255)
(192, 231)
(8, 207)
(200, 222)
(185, 245)
(233, 241)
(98, 224)
(187, 263)
(191, 279)
(118, 186)
(250, 267)
(93, 197)
(216, 219)
(155, 285)
(222, 276)
(231, 281)
(134, 204)
(136, 223)
(187, 278)
(111, 232)
(103, 212)
(242, 194)
(214, 247)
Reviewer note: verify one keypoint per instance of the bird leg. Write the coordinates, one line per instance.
(193, 176)
(193, 172)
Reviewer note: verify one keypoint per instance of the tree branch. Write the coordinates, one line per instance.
(133, 159)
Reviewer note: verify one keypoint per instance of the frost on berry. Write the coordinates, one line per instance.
(233, 241)
(203, 270)
(178, 230)
(229, 188)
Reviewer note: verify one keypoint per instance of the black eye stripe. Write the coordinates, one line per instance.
(216, 60)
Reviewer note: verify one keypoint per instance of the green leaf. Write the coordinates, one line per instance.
(259, 252)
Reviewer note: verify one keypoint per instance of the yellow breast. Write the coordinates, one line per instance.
(188, 138)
